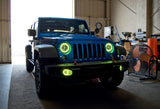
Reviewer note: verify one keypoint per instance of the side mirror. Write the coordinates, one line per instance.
(31, 32)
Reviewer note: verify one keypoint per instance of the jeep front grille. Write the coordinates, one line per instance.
(86, 51)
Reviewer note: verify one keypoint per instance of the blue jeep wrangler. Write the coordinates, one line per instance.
(65, 50)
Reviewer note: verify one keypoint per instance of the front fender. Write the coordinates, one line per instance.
(121, 50)
(46, 51)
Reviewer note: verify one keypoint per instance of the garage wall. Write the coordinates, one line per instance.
(94, 10)
(128, 15)
(5, 39)
(156, 16)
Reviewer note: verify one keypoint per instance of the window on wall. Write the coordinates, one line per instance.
(24, 12)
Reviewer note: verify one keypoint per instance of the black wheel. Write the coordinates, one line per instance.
(40, 79)
(113, 79)
(29, 66)
(28, 52)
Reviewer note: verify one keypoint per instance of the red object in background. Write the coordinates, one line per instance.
(158, 51)
(152, 43)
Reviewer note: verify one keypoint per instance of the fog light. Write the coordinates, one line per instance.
(67, 72)
(120, 67)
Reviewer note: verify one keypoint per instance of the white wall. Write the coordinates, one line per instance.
(128, 15)
(156, 16)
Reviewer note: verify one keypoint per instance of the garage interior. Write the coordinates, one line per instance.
(139, 19)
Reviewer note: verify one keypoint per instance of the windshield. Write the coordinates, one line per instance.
(63, 26)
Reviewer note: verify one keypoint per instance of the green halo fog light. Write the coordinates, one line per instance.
(67, 72)
(120, 67)
(109, 48)
(65, 48)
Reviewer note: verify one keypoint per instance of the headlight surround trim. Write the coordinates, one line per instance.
(109, 47)
(65, 48)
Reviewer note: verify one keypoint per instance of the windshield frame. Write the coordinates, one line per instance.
(60, 25)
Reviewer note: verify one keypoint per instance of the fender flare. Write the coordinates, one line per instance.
(121, 50)
(46, 51)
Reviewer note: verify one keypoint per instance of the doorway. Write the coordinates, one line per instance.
(23, 14)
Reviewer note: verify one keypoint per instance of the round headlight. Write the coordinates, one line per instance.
(109, 48)
(65, 48)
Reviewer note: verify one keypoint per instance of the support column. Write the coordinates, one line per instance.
(108, 12)
(149, 18)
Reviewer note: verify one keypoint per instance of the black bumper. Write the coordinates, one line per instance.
(86, 70)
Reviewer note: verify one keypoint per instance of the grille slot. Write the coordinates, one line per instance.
(88, 51)
(99, 50)
(85, 50)
(80, 50)
(103, 50)
(75, 51)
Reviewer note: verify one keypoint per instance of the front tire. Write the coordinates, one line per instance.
(40, 79)
(113, 79)
(29, 66)
(28, 53)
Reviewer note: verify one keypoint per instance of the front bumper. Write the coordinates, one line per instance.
(86, 70)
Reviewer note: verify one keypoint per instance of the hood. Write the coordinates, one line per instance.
(73, 37)
(83, 48)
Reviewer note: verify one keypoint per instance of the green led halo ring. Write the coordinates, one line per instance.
(65, 48)
(109, 47)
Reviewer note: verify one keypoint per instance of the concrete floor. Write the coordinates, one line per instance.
(147, 91)
(5, 78)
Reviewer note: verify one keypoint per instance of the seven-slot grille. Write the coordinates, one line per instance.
(86, 51)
